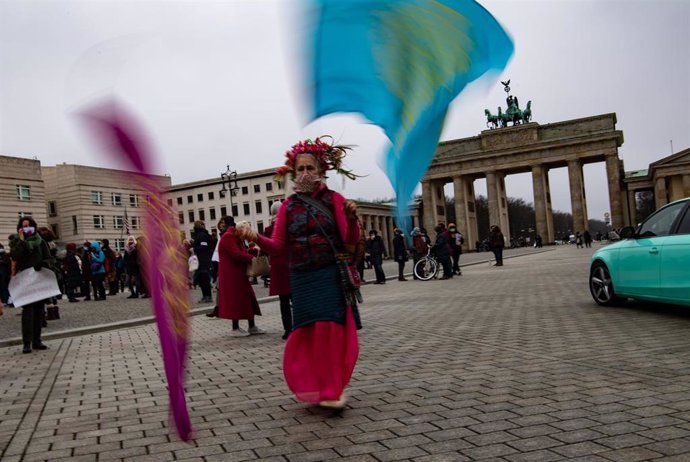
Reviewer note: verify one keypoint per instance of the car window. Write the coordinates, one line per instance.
(684, 227)
(660, 223)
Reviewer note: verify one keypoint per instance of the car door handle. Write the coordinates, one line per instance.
(653, 250)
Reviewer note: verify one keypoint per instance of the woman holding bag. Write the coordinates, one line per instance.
(314, 228)
(236, 298)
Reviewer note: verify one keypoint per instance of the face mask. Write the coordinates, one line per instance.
(306, 183)
(28, 230)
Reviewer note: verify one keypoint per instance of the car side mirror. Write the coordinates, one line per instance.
(627, 232)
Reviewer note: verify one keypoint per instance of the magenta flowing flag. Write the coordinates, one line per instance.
(165, 266)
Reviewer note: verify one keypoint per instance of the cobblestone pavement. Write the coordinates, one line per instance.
(118, 308)
(507, 364)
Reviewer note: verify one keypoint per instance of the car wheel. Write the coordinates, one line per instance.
(601, 286)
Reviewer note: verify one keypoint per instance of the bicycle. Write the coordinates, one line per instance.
(427, 267)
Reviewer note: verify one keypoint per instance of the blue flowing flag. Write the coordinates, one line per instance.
(400, 63)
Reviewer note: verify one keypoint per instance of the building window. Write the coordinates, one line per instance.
(99, 221)
(212, 213)
(135, 223)
(260, 227)
(180, 217)
(169, 202)
(200, 197)
(210, 195)
(134, 200)
(246, 209)
(223, 211)
(258, 207)
(52, 208)
(257, 188)
(23, 192)
(235, 212)
(75, 225)
(117, 199)
(280, 185)
(191, 216)
(54, 228)
(118, 222)
(190, 199)
(97, 197)
(179, 201)
(269, 186)
(119, 245)
(202, 215)
(245, 190)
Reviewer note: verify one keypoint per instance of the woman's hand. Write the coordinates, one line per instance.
(350, 209)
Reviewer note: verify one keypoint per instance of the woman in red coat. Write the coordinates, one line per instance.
(280, 278)
(236, 299)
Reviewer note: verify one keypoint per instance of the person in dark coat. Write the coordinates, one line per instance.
(236, 298)
(400, 252)
(30, 251)
(110, 270)
(5, 272)
(71, 269)
(131, 259)
(98, 271)
(442, 251)
(419, 248)
(203, 249)
(84, 254)
(497, 243)
(377, 250)
(280, 278)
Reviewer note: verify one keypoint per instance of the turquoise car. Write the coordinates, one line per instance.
(651, 262)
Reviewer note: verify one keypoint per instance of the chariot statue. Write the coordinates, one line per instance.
(513, 113)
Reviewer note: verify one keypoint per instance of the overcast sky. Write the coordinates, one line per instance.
(219, 82)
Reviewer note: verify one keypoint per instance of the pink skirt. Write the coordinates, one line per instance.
(319, 359)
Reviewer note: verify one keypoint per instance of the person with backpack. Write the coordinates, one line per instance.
(98, 273)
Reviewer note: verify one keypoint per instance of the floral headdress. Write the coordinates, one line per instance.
(328, 155)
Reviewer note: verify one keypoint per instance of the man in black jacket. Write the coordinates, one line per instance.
(203, 249)
(377, 250)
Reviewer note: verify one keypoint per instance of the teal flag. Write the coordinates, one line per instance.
(400, 63)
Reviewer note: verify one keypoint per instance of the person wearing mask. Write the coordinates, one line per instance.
(30, 252)
(98, 271)
(400, 252)
(318, 230)
(497, 243)
(236, 298)
(203, 249)
(377, 250)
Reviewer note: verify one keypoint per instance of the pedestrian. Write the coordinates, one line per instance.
(30, 252)
(131, 260)
(497, 243)
(71, 270)
(203, 249)
(456, 242)
(377, 250)
(578, 240)
(318, 229)
(52, 311)
(419, 248)
(236, 298)
(360, 252)
(84, 254)
(442, 251)
(120, 272)
(400, 252)
(538, 241)
(5, 272)
(587, 237)
(109, 265)
(215, 258)
(280, 278)
(98, 273)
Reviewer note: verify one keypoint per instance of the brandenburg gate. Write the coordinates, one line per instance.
(526, 147)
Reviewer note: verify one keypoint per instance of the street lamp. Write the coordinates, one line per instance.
(229, 176)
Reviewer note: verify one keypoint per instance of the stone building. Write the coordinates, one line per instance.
(86, 203)
(22, 193)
